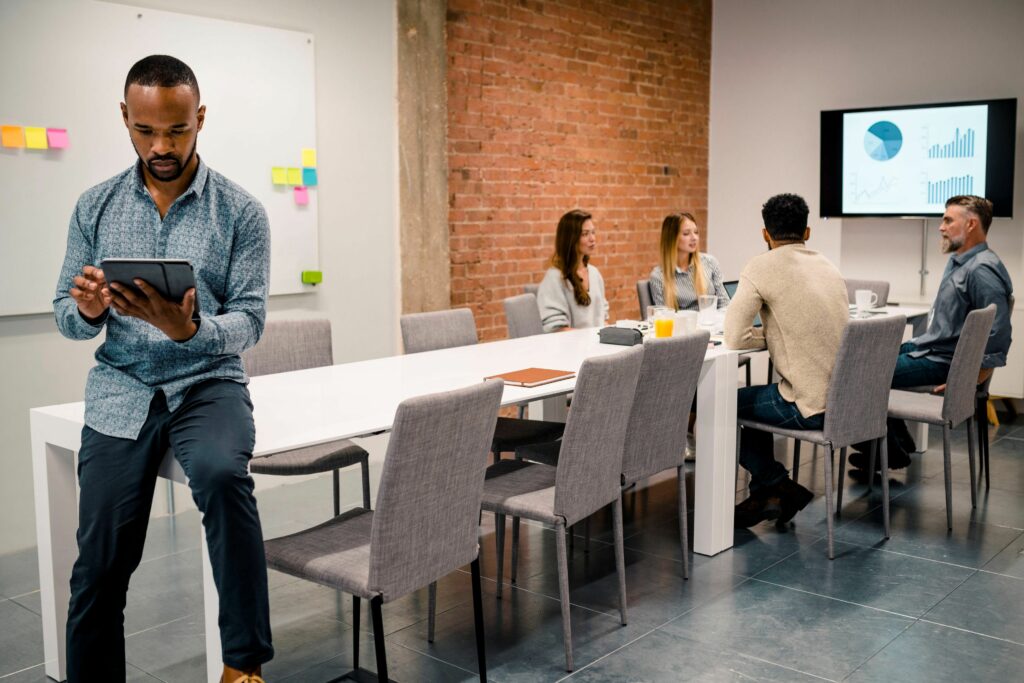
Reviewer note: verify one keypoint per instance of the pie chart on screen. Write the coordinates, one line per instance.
(883, 140)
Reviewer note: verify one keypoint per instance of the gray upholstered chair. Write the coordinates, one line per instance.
(586, 478)
(531, 289)
(643, 296)
(957, 403)
(426, 524)
(857, 400)
(879, 287)
(523, 316)
(456, 327)
(288, 345)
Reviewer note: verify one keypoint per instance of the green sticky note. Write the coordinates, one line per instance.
(294, 176)
(312, 277)
(309, 177)
(279, 175)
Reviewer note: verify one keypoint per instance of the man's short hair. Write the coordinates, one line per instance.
(161, 71)
(785, 217)
(979, 206)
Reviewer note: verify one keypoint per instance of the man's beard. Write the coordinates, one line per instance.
(175, 173)
(949, 244)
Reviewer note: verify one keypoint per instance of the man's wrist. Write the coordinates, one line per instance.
(98, 320)
(188, 331)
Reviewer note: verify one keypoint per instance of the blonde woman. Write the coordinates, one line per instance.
(572, 292)
(694, 273)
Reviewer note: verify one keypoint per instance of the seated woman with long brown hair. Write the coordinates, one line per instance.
(693, 273)
(572, 292)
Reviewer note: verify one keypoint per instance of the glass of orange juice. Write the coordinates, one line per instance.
(663, 323)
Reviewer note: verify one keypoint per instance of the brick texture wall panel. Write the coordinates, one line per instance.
(557, 104)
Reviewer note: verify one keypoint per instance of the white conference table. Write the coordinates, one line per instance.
(313, 406)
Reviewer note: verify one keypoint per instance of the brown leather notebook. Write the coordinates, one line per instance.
(532, 377)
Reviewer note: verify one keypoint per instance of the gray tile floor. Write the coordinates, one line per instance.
(928, 605)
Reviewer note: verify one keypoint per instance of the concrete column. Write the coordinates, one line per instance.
(422, 156)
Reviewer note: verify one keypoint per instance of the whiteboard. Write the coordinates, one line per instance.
(64, 67)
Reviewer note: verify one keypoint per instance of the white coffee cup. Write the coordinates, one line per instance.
(865, 299)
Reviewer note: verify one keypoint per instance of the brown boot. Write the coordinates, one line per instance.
(236, 676)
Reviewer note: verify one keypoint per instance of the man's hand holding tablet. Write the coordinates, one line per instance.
(163, 301)
(91, 293)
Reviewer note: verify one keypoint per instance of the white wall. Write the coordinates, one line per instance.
(357, 140)
(776, 64)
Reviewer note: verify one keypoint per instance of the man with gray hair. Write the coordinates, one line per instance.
(974, 278)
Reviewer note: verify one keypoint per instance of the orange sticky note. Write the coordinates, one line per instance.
(12, 136)
(35, 138)
(294, 176)
(301, 196)
(57, 137)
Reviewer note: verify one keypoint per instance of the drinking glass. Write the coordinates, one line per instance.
(664, 321)
(707, 305)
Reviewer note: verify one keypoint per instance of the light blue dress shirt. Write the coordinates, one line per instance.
(972, 280)
(223, 231)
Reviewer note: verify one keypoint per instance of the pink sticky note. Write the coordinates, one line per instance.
(57, 137)
(301, 196)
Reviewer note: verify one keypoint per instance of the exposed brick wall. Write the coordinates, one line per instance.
(558, 104)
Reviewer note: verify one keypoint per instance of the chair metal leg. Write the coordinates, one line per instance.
(364, 467)
(796, 460)
(478, 620)
(981, 420)
(522, 412)
(495, 457)
(829, 500)
(515, 549)
(499, 548)
(355, 631)
(684, 532)
(971, 429)
(563, 593)
(378, 638)
(947, 468)
(771, 371)
(336, 481)
(571, 533)
(885, 481)
(620, 557)
(841, 481)
(871, 463)
(586, 536)
(747, 366)
(431, 610)
(983, 433)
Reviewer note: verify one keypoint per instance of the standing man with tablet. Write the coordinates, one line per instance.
(166, 378)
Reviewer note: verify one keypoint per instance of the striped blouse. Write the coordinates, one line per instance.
(686, 295)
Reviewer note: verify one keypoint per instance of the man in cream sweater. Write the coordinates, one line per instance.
(802, 301)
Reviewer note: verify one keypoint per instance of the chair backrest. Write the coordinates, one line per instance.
(590, 459)
(287, 345)
(531, 289)
(523, 316)
(962, 380)
(438, 330)
(643, 295)
(656, 433)
(879, 287)
(426, 523)
(858, 391)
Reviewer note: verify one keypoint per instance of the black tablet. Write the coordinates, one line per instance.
(171, 277)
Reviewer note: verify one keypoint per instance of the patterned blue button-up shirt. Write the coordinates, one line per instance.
(972, 280)
(223, 231)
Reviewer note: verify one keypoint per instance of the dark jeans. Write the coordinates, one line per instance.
(757, 451)
(910, 372)
(212, 436)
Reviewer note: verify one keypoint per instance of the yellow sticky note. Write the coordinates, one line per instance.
(35, 138)
(309, 158)
(294, 176)
(12, 136)
(279, 175)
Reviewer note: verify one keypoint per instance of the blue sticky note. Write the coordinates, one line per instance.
(309, 177)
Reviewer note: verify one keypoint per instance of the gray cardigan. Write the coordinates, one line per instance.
(558, 307)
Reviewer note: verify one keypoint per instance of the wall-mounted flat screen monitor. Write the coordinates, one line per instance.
(908, 160)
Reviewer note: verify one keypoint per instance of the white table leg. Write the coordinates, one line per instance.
(715, 483)
(56, 523)
(919, 430)
(552, 409)
(211, 612)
